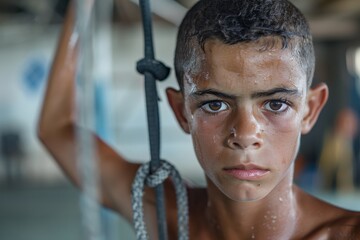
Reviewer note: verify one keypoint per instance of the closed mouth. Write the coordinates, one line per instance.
(246, 167)
(247, 172)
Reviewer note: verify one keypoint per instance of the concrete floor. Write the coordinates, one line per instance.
(48, 212)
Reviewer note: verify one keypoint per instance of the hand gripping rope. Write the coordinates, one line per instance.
(156, 171)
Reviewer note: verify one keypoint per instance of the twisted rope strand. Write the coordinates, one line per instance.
(143, 177)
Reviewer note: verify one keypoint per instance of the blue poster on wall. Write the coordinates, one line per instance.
(34, 74)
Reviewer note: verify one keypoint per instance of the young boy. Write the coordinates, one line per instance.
(244, 69)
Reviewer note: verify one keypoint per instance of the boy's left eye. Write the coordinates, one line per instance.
(214, 106)
(277, 106)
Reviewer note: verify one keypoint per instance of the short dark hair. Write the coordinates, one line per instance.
(236, 21)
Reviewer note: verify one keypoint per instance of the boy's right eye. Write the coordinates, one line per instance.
(214, 106)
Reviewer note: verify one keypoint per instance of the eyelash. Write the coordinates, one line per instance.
(279, 100)
(202, 106)
(282, 101)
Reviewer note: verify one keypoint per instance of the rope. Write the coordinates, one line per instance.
(143, 176)
(147, 67)
(156, 171)
(87, 164)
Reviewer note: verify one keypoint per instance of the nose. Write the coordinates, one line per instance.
(245, 131)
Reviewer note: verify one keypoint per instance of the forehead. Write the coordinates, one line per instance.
(242, 64)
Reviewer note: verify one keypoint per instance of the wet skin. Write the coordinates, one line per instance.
(246, 111)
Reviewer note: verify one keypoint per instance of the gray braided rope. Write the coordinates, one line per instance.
(143, 177)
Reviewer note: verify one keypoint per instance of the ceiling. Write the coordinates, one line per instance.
(335, 19)
(329, 19)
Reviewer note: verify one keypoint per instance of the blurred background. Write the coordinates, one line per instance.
(37, 201)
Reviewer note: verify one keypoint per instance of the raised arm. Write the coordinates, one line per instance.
(57, 128)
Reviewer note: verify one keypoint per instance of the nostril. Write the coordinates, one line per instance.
(256, 145)
(245, 137)
(243, 143)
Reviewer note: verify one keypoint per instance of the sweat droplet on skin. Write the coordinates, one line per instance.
(207, 76)
(214, 138)
(191, 85)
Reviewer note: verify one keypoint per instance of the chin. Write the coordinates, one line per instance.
(246, 197)
(247, 193)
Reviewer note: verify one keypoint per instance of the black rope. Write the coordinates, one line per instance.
(153, 70)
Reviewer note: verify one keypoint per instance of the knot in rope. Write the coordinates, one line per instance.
(143, 177)
(159, 70)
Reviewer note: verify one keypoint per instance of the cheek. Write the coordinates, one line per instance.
(288, 147)
(284, 137)
(204, 125)
(287, 124)
(207, 135)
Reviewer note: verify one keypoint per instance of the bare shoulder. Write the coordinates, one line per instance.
(345, 226)
(323, 220)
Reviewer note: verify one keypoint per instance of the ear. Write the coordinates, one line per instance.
(315, 102)
(176, 101)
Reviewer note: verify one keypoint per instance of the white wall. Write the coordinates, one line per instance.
(124, 97)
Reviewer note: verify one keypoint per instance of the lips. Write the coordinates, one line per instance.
(247, 172)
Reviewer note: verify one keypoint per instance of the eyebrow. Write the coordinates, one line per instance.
(267, 93)
(213, 92)
(273, 91)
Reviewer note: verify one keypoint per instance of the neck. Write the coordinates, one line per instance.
(274, 215)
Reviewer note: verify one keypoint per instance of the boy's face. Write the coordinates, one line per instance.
(246, 112)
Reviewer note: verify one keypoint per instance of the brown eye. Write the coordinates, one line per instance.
(276, 106)
(214, 106)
